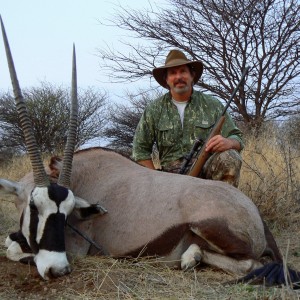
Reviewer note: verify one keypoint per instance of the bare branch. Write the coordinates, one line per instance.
(227, 36)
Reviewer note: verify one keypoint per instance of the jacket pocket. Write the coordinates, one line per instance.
(167, 135)
(202, 130)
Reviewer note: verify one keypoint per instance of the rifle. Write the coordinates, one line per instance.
(216, 129)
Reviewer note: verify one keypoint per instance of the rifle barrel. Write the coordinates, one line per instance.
(235, 90)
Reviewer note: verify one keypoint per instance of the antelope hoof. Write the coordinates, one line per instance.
(191, 257)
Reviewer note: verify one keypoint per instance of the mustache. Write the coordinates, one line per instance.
(180, 81)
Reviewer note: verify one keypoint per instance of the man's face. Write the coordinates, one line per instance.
(179, 79)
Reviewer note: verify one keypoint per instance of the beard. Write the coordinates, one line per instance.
(181, 90)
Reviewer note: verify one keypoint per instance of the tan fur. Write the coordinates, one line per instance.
(144, 205)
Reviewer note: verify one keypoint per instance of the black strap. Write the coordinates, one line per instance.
(101, 250)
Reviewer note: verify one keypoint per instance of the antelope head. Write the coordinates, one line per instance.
(43, 219)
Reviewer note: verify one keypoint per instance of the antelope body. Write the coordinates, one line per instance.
(181, 219)
(156, 213)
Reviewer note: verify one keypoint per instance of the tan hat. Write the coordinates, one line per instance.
(176, 58)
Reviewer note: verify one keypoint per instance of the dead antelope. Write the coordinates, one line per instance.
(44, 209)
(182, 220)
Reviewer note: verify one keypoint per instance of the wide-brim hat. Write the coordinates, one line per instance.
(176, 58)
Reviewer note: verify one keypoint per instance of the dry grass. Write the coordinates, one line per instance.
(106, 278)
(271, 178)
(266, 178)
(18, 167)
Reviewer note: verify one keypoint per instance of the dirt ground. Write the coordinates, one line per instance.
(106, 278)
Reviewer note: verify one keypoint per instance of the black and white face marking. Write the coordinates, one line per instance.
(43, 226)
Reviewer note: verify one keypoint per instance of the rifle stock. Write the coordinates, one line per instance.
(203, 155)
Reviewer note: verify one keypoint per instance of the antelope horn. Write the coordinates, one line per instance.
(39, 173)
(65, 174)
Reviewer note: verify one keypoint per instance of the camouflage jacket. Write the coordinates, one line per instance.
(160, 124)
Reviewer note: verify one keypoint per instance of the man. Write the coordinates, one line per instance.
(175, 120)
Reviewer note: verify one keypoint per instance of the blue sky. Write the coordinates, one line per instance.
(41, 35)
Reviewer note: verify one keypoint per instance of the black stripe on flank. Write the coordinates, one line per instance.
(217, 232)
(163, 244)
(53, 238)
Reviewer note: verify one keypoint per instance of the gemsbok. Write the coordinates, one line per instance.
(43, 211)
(181, 220)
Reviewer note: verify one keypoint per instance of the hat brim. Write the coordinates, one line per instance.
(160, 73)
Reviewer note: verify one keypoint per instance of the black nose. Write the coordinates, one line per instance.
(54, 272)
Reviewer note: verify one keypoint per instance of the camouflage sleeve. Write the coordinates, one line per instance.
(230, 130)
(144, 137)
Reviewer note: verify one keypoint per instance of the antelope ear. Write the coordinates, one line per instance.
(85, 210)
(9, 187)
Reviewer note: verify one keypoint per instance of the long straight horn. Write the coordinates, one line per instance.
(65, 175)
(40, 176)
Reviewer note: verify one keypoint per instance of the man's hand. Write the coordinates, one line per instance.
(219, 144)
